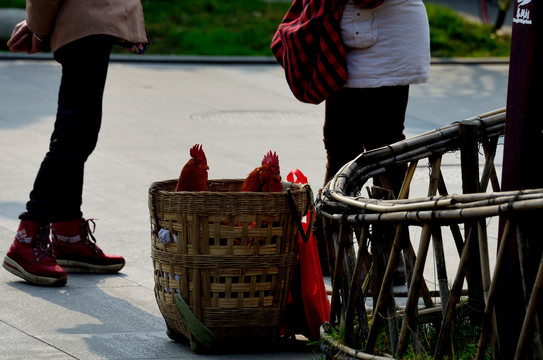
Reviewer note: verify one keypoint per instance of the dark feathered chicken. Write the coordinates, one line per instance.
(265, 178)
(194, 174)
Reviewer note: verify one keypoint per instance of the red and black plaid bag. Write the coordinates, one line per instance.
(308, 46)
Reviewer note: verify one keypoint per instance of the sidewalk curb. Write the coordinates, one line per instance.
(232, 60)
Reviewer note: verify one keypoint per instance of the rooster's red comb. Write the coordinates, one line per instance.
(198, 153)
(270, 159)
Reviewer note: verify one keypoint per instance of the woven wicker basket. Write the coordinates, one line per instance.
(230, 256)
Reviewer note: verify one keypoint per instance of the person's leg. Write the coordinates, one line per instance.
(359, 119)
(57, 192)
(385, 125)
(342, 128)
(385, 117)
(85, 65)
(342, 144)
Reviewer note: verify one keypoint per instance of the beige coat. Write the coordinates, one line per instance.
(64, 21)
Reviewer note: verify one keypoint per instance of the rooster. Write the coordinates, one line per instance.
(194, 174)
(265, 178)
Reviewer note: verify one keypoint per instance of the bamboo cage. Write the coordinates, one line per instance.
(349, 219)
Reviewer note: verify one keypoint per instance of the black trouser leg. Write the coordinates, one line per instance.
(57, 191)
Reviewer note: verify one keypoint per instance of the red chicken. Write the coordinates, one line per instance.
(194, 174)
(265, 178)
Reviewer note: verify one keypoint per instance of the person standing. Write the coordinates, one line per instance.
(80, 34)
(387, 47)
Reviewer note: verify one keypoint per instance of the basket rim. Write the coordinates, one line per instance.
(158, 185)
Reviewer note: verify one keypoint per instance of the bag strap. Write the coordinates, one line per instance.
(307, 233)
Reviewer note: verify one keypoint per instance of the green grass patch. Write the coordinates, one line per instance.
(12, 4)
(245, 28)
(454, 36)
(464, 339)
(212, 27)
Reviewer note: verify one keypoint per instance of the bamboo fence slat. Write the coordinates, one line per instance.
(342, 207)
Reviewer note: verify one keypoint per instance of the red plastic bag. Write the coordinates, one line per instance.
(307, 291)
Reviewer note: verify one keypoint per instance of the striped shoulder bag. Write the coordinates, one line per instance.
(307, 44)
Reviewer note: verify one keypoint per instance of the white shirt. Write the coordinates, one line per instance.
(388, 45)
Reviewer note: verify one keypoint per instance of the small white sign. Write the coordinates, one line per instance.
(523, 14)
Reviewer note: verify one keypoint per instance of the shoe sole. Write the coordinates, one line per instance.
(17, 270)
(72, 266)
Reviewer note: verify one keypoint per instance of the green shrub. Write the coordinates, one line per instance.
(240, 27)
(454, 36)
(12, 4)
(212, 27)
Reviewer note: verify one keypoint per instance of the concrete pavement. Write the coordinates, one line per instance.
(154, 112)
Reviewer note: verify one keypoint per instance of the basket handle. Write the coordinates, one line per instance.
(304, 234)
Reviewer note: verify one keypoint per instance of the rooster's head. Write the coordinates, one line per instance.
(197, 153)
(199, 157)
(270, 163)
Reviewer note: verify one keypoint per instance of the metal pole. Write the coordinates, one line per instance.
(523, 155)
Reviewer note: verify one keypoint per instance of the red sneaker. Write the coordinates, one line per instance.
(76, 251)
(31, 258)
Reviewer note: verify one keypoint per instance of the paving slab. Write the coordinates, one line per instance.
(154, 112)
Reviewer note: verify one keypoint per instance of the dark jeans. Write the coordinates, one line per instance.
(57, 192)
(358, 119)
